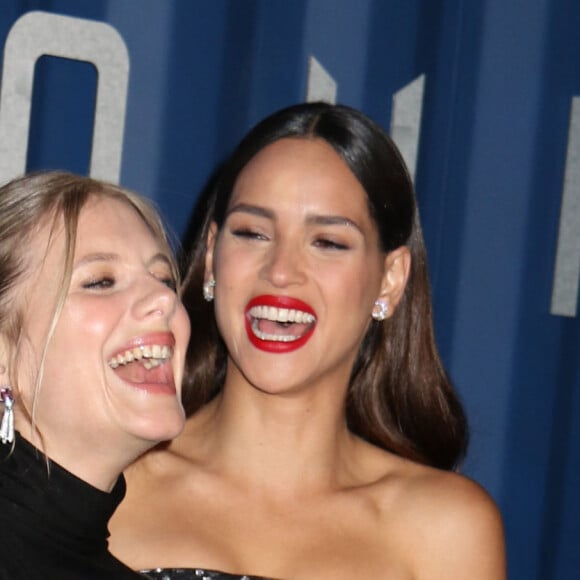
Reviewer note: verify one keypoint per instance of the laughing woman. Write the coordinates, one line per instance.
(92, 346)
(324, 433)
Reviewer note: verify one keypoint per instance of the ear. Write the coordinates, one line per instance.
(397, 269)
(210, 244)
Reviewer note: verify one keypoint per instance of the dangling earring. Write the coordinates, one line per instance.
(7, 424)
(380, 310)
(208, 290)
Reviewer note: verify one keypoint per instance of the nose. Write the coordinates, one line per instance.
(284, 265)
(155, 299)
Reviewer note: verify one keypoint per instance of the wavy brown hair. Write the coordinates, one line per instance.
(400, 398)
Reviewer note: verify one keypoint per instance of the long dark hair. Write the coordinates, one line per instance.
(400, 397)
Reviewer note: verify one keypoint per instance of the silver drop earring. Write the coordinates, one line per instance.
(380, 310)
(208, 290)
(7, 424)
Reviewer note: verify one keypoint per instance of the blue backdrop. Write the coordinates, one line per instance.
(500, 76)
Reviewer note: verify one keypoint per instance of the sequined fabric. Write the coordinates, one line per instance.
(194, 574)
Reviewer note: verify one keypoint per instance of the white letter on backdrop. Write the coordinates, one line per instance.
(36, 34)
(567, 270)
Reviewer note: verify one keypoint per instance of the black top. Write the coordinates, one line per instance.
(53, 525)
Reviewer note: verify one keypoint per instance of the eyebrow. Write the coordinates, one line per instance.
(333, 220)
(316, 219)
(96, 257)
(111, 257)
(251, 209)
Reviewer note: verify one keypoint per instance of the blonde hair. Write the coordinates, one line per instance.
(39, 200)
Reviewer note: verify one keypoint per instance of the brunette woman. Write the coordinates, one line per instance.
(324, 434)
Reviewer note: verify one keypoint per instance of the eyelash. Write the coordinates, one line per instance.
(105, 282)
(322, 243)
(326, 244)
(248, 233)
(169, 282)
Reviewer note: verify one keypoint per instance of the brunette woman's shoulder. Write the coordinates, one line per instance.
(453, 528)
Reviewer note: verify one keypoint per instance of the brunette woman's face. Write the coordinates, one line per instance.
(121, 307)
(298, 268)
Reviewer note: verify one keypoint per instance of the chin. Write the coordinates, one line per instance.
(158, 428)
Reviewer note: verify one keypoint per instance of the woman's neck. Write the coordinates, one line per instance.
(97, 462)
(296, 443)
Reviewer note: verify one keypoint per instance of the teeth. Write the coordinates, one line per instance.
(281, 315)
(154, 354)
(272, 337)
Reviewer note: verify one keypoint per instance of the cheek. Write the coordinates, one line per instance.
(354, 282)
(233, 272)
(82, 331)
(182, 326)
(27, 371)
(350, 295)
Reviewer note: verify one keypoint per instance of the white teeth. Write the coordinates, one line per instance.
(154, 354)
(272, 337)
(281, 315)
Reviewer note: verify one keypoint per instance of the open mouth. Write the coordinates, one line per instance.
(150, 355)
(279, 323)
(145, 366)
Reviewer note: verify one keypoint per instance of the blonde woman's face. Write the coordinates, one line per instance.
(113, 368)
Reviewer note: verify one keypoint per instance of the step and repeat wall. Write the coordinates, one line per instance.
(482, 97)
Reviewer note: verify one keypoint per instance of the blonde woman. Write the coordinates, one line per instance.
(92, 344)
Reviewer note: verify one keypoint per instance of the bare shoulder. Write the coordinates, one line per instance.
(453, 528)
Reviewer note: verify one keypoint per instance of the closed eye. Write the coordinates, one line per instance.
(248, 233)
(102, 283)
(327, 244)
(170, 282)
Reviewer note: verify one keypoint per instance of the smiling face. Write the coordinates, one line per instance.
(113, 366)
(298, 268)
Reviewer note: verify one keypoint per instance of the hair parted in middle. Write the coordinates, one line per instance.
(400, 397)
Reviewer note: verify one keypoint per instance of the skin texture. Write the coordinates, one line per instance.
(267, 479)
(93, 422)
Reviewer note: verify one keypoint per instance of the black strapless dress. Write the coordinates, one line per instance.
(195, 574)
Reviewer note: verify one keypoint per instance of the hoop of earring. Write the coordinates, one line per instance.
(7, 423)
(208, 288)
(380, 310)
